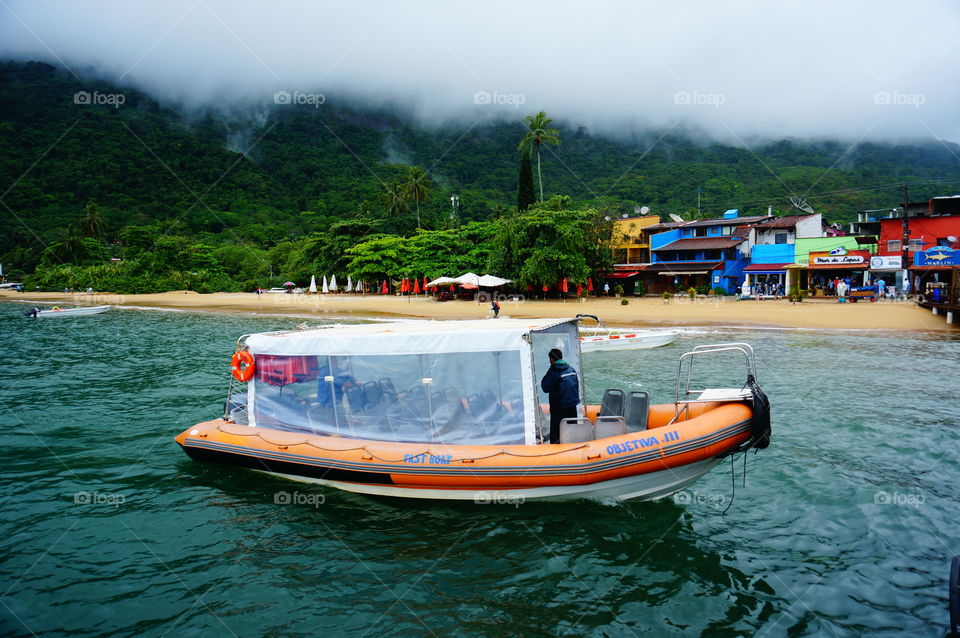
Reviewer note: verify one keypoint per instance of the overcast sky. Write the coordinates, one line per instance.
(738, 69)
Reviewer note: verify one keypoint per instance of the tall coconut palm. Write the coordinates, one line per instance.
(539, 133)
(93, 224)
(395, 201)
(417, 187)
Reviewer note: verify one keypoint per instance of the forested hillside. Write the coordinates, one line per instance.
(272, 192)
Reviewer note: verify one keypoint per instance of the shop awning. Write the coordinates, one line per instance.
(622, 275)
(861, 266)
(684, 272)
(762, 269)
(931, 267)
(683, 267)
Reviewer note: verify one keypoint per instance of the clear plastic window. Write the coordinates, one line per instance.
(455, 398)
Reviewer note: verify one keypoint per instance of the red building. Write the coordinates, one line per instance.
(929, 224)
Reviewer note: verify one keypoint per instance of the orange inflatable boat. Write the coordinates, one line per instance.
(469, 419)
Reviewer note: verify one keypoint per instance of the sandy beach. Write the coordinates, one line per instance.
(651, 312)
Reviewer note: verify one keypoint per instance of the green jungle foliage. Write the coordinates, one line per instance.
(207, 202)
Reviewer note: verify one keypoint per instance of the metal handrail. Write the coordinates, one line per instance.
(745, 349)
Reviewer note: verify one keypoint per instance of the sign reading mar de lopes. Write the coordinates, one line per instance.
(824, 260)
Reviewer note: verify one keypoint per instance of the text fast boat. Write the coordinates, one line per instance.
(453, 410)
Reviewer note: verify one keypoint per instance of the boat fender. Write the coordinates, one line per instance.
(761, 416)
(56, 309)
(954, 597)
(242, 366)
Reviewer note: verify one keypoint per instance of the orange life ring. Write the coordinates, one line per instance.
(243, 366)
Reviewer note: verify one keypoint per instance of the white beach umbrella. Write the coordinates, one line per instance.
(325, 289)
(313, 284)
(469, 278)
(349, 284)
(333, 283)
(492, 281)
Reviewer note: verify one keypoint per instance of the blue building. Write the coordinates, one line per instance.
(709, 253)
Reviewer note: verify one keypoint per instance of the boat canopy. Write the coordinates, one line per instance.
(448, 382)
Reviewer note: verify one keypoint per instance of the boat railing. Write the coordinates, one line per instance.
(235, 408)
(712, 394)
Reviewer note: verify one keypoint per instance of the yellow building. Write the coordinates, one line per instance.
(629, 243)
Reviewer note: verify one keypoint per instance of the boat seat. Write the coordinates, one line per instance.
(637, 411)
(576, 430)
(607, 426)
(612, 402)
(355, 398)
(387, 386)
(372, 392)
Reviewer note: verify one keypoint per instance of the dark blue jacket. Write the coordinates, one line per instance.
(560, 382)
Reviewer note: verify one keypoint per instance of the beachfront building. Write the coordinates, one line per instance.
(933, 229)
(702, 254)
(773, 255)
(824, 260)
(630, 244)
(631, 252)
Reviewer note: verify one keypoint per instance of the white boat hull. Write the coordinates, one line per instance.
(627, 341)
(645, 487)
(71, 312)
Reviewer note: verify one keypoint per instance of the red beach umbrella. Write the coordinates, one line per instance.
(590, 284)
(579, 289)
(405, 285)
(384, 290)
(546, 287)
(564, 285)
(416, 286)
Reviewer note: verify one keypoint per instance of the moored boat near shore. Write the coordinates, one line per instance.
(453, 410)
(58, 313)
(603, 338)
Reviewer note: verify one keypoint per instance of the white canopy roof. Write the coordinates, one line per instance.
(469, 278)
(439, 281)
(491, 281)
(472, 279)
(412, 337)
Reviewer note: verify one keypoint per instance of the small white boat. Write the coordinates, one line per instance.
(58, 312)
(626, 340)
(603, 338)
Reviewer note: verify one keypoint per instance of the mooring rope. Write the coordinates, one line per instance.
(364, 448)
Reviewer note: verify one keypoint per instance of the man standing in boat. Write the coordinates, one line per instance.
(560, 382)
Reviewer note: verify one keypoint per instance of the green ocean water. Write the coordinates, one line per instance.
(844, 526)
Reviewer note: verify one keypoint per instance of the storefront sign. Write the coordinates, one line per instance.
(823, 260)
(886, 263)
(938, 256)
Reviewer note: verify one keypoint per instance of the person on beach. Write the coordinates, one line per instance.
(606, 289)
(560, 382)
(495, 308)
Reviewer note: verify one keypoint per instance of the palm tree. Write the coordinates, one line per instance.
(394, 200)
(417, 187)
(92, 224)
(538, 134)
